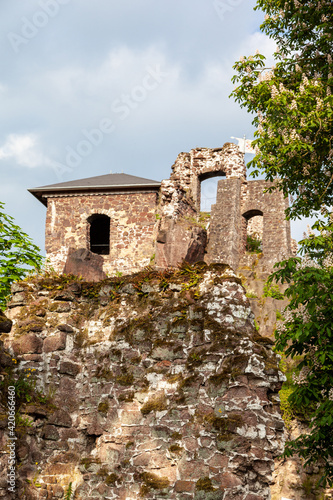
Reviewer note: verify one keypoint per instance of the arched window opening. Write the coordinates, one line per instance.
(208, 190)
(253, 231)
(99, 234)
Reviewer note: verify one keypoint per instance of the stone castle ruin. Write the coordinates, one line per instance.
(154, 382)
(128, 222)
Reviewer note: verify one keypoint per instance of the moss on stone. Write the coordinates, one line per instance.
(204, 484)
(103, 372)
(32, 325)
(112, 479)
(176, 436)
(125, 379)
(175, 448)
(103, 407)
(103, 472)
(158, 403)
(232, 367)
(271, 363)
(196, 358)
(152, 481)
(189, 381)
(81, 338)
(262, 340)
(220, 378)
(136, 360)
(126, 397)
(86, 462)
(224, 426)
(172, 379)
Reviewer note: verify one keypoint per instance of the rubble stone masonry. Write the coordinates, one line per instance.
(156, 385)
(132, 226)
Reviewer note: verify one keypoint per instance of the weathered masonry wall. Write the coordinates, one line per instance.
(225, 233)
(157, 384)
(276, 243)
(189, 169)
(236, 203)
(132, 226)
(179, 236)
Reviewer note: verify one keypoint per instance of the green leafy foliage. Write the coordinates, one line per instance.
(18, 255)
(253, 244)
(306, 336)
(69, 492)
(292, 102)
(271, 290)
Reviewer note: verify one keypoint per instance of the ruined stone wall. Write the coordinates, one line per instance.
(229, 216)
(191, 168)
(132, 226)
(225, 232)
(156, 386)
(276, 240)
(180, 202)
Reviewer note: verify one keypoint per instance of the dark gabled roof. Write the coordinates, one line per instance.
(108, 182)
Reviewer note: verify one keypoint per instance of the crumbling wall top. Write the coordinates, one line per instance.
(205, 162)
(191, 168)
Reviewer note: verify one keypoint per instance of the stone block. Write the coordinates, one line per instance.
(51, 433)
(18, 287)
(60, 307)
(64, 295)
(183, 241)
(28, 344)
(184, 486)
(65, 328)
(18, 299)
(55, 343)
(193, 470)
(69, 368)
(5, 323)
(229, 480)
(86, 264)
(5, 357)
(60, 418)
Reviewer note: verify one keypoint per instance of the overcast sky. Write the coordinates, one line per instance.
(88, 87)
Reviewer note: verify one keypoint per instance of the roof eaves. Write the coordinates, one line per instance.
(42, 193)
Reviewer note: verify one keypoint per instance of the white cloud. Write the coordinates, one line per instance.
(25, 150)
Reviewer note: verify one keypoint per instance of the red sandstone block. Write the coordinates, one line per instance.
(182, 486)
(219, 461)
(229, 480)
(193, 470)
(28, 344)
(55, 343)
(142, 460)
